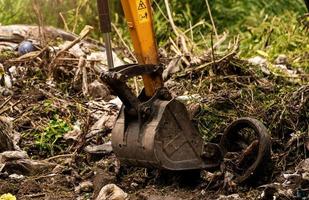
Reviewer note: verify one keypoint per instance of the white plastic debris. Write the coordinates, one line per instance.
(187, 98)
(16, 176)
(258, 60)
(117, 102)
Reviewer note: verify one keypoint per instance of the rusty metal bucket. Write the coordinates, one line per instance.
(156, 132)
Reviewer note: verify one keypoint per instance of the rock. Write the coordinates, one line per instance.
(7, 81)
(303, 166)
(73, 134)
(6, 129)
(58, 169)
(12, 155)
(86, 186)
(16, 177)
(101, 55)
(281, 60)
(172, 68)
(261, 62)
(98, 90)
(5, 92)
(258, 60)
(230, 197)
(17, 162)
(269, 191)
(98, 151)
(189, 98)
(112, 192)
(193, 109)
(292, 180)
(101, 178)
(106, 122)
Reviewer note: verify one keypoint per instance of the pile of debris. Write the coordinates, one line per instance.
(56, 118)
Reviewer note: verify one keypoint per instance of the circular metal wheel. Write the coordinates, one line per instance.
(246, 146)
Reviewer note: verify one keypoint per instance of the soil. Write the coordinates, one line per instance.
(50, 95)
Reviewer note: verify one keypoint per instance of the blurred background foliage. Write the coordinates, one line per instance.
(270, 26)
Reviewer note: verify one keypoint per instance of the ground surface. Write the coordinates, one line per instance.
(56, 114)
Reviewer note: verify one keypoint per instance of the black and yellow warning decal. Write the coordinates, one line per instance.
(142, 11)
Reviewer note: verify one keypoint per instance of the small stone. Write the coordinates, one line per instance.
(12, 155)
(98, 151)
(58, 169)
(134, 185)
(258, 60)
(230, 197)
(98, 90)
(86, 186)
(16, 177)
(281, 60)
(112, 192)
(73, 134)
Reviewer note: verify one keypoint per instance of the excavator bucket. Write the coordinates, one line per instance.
(156, 132)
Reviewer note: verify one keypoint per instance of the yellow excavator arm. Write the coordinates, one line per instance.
(138, 14)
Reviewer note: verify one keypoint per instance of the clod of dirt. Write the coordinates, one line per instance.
(8, 187)
(112, 192)
(29, 187)
(102, 178)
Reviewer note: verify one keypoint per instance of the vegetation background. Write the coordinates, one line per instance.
(266, 27)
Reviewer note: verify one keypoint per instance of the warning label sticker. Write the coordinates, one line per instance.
(142, 11)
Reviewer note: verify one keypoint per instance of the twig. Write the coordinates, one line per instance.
(211, 70)
(232, 53)
(123, 42)
(15, 104)
(64, 22)
(38, 13)
(130, 52)
(59, 156)
(82, 35)
(211, 19)
(194, 26)
(170, 17)
(35, 195)
(85, 81)
(5, 102)
(81, 63)
(76, 16)
(177, 51)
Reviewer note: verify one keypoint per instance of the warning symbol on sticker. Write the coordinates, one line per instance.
(141, 5)
(143, 14)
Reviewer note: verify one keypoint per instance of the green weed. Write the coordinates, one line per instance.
(51, 134)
